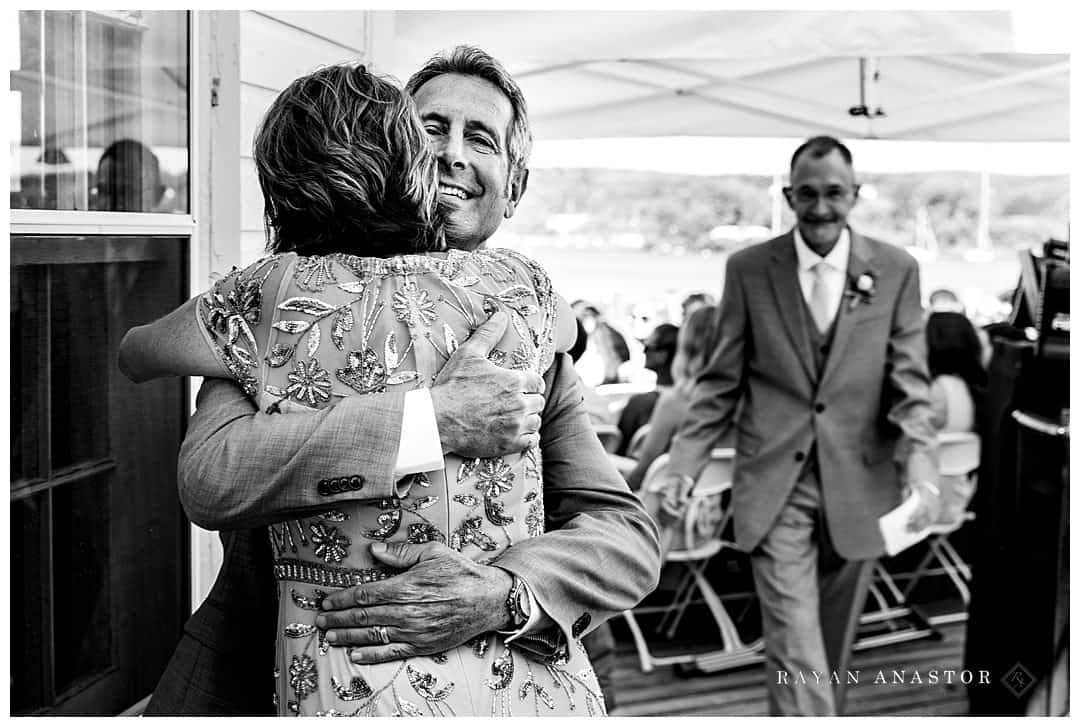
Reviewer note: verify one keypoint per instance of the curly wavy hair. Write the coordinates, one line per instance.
(344, 166)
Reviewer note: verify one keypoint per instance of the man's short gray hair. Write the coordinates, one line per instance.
(467, 60)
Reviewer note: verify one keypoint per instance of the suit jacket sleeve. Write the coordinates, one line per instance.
(719, 386)
(909, 384)
(242, 468)
(599, 555)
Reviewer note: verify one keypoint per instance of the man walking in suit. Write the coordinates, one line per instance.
(820, 366)
(238, 469)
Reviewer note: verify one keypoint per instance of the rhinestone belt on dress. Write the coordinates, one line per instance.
(290, 569)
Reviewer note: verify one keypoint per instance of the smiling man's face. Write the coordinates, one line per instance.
(822, 193)
(468, 122)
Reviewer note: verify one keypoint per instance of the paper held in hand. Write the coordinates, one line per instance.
(894, 526)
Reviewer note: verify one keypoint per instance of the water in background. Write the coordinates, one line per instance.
(638, 290)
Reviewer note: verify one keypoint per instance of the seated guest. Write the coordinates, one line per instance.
(579, 343)
(659, 354)
(694, 344)
(694, 301)
(958, 379)
(958, 382)
(605, 350)
(944, 300)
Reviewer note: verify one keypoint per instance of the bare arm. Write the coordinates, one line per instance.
(665, 420)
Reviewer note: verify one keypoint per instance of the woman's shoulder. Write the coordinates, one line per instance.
(522, 267)
(261, 266)
(505, 254)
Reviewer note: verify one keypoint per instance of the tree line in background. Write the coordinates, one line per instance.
(669, 211)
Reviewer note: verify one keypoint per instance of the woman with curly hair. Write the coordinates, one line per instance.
(360, 296)
(693, 345)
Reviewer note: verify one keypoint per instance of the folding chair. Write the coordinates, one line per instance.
(895, 620)
(606, 401)
(698, 538)
(958, 457)
(609, 435)
(615, 396)
(637, 440)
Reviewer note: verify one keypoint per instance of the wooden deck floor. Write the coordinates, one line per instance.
(741, 692)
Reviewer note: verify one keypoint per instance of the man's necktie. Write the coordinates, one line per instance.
(819, 299)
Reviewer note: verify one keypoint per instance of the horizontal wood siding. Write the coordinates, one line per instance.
(275, 48)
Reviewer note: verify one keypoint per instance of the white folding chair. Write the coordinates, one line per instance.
(958, 457)
(615, 396)
(698, 538)
(609, 435)
(637, 440)
(606, 401)
(893, 620)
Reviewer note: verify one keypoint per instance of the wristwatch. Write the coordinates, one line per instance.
(517, 604)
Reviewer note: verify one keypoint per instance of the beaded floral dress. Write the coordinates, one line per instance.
(298, 333)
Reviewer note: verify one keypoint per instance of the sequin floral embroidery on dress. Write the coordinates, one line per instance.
(229, 310)
(313, 273)
(302, 334)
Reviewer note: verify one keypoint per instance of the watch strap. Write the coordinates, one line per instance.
(518, 616)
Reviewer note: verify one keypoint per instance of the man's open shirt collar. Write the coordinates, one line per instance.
(837, 258)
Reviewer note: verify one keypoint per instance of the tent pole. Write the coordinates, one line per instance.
(982, 234)
(776, 192)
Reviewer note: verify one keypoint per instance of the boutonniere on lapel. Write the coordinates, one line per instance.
(861, 289)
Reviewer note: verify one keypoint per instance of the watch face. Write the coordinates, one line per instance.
(518, 603)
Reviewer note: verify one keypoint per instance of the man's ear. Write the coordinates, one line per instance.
(787, 197)
(517, 190)
(855, 194)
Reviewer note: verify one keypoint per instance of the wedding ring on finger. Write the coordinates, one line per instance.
(381, 634)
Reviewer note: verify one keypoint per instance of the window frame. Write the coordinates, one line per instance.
(200, 26)
(80, 222)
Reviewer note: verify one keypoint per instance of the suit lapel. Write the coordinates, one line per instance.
(860, 261)
(784, 277)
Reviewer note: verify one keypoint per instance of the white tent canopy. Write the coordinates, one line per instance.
(749, 155)
(918, 75)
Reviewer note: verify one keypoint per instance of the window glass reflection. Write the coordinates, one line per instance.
(101, 98)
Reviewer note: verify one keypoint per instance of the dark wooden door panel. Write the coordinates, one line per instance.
(99, 542)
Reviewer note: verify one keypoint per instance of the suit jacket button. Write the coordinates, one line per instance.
(356, 482)
(323, 488)
(335, 485)
(819, 408)
(799, 456)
